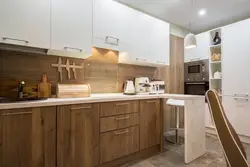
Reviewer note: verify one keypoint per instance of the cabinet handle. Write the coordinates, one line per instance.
(121, 118)
(242, 95)
(151, 101)
(66, 47)
(79, 108)
(122, 132)
(113, 43)
(15, 39)
(17, 113)
(161, 62)
(140, 59)
(121, 104)
(240, 99)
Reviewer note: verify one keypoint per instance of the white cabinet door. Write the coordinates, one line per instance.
(235, 55)
(71, 26)
(202, 46)
(25, 22)
(190, 55)
(113, 23)
(160, 42)
(238, 112)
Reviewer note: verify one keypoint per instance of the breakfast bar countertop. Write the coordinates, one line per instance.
(94, 98)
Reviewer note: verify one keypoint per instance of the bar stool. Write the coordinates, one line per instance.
(177, 104)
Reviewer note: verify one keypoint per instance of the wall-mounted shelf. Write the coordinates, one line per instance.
(215, 62)
(215, 46)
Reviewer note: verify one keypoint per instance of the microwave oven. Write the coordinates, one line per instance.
(196, 71)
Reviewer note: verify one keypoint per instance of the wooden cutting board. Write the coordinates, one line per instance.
(44, 88)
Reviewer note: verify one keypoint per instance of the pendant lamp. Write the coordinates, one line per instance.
(190, 39)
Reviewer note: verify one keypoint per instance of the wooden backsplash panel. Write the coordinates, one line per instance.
(101, 76)
(101, 71)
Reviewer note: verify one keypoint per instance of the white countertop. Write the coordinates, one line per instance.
(105, 97)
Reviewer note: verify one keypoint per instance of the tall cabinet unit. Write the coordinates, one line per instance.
(71, 27)
(25, 23)
(236, 88)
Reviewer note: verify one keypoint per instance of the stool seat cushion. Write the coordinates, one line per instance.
(175, 102)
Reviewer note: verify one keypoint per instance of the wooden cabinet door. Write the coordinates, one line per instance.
(78, 135)
(25, 22)
(71, 26)
(116, 144)
(28, 137)
(149, 123)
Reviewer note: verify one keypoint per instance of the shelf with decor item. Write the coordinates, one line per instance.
(216, 60)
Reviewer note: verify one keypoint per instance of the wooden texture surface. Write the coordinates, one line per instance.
(78, 135)
(150, 125)
(28, 137)
(118, 143)
(73, 90)
(100, 70)
(118, 108)
(143, 154)
(176, 80)
(118, 122)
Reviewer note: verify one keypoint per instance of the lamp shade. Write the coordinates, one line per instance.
(190, 41)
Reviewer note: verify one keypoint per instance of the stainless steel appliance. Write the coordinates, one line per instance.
(196, 71)
(196, 76)
(157, 87)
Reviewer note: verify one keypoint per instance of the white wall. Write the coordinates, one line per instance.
(178, 31)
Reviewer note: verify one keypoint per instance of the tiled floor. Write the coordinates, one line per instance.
(174, 157)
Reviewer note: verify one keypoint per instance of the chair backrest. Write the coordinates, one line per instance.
(233, 149)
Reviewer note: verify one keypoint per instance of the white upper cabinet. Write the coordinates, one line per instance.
(140, 38)
(71, 27)
(25, 22)
(201, 52)
(236, 58)
(110, 21)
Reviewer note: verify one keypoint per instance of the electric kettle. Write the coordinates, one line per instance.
(129, 88)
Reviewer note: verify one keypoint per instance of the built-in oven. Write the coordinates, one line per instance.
(196, 76)
(196, 88)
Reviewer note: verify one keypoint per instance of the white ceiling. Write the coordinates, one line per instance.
(219, 12)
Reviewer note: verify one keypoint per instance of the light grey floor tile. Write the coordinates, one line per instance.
(174, 156)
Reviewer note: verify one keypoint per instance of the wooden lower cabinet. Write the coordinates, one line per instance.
(78, 135)
(150, 123)
(118, 143)
(28, 137)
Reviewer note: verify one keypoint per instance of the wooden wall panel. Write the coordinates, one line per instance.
(101, 71)
(175, 78)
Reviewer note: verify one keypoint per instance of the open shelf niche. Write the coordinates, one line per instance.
(215, 62)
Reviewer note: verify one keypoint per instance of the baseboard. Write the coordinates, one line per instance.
(244, 139)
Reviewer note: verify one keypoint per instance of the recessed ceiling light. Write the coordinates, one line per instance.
(202, 12)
